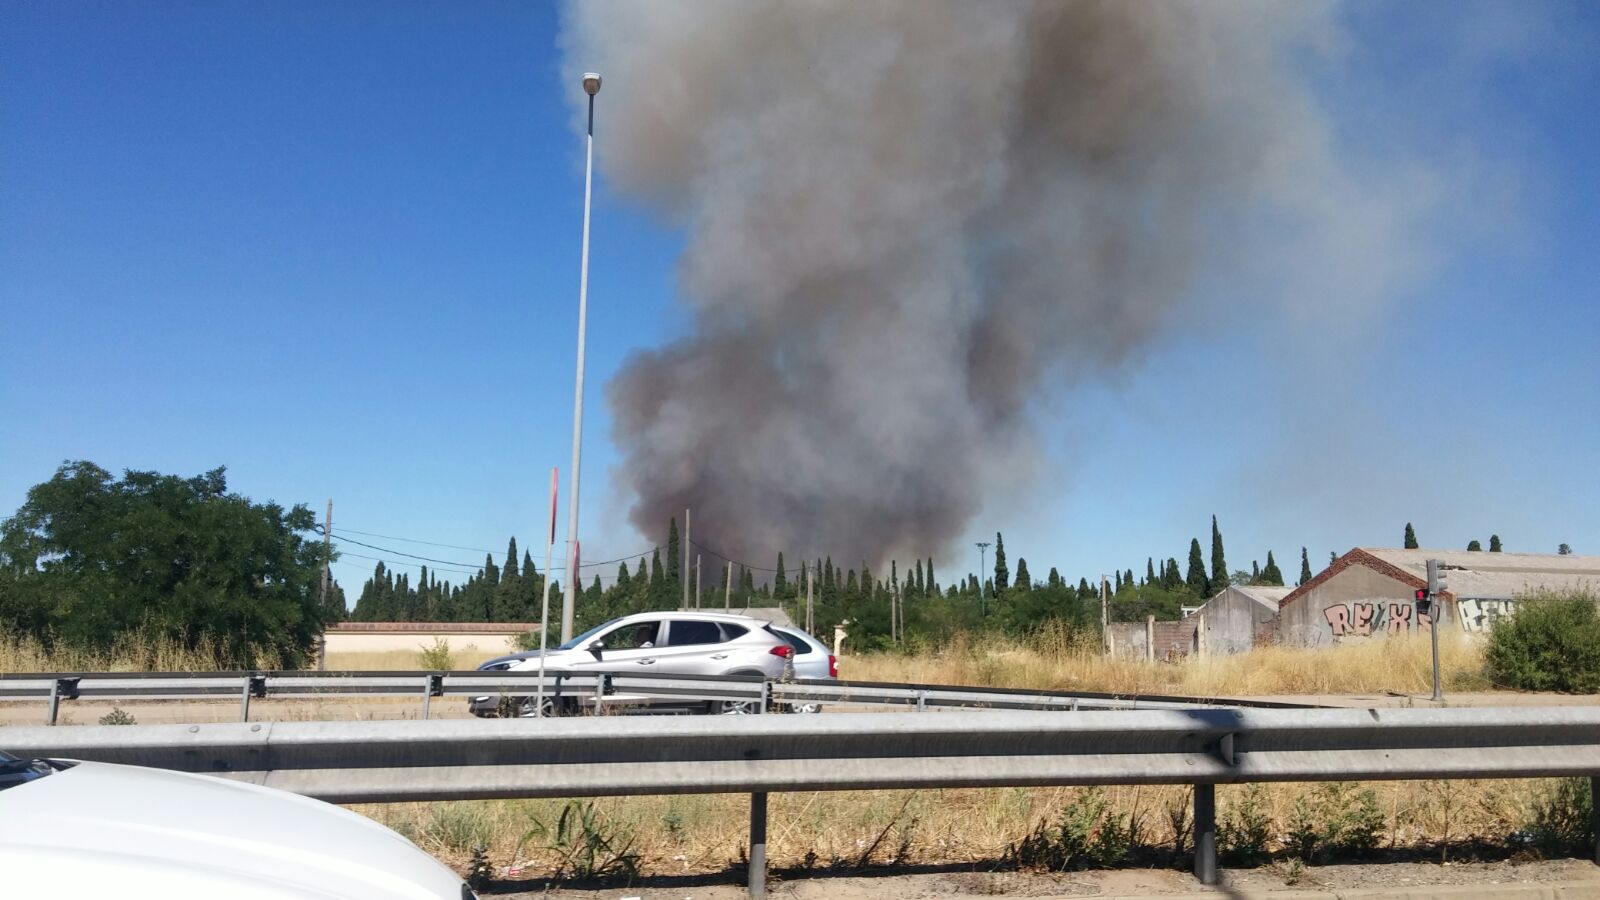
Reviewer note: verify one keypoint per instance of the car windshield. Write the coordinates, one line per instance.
(582, 639)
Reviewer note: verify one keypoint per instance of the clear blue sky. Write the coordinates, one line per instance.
(334, 247)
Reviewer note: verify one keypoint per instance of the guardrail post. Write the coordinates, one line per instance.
(922, 701)
(1205, 833)
(61, 687)
(433, 686)
(600, 680)
(255, 685)
(758, 845)
(1594, 816)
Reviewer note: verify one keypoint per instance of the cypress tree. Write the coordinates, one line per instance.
(1494, 543)
(1055, 578)
(1171, 579)
(780, 581)
(1474, 546)
(920, 584)
(1024, 583)
(1002, 575)
(1411, 537)
(1270, 574)
(509, 573)
(1219, 566)
(674, 551)
(1117, 586)
(1196, 580)
(1255, 572)
(1149, 570)
(1305, 567)
(1085, 593)
(933, 586)
(1127, 577)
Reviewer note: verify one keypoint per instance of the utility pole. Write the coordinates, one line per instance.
(727, 589)
(811, 594)
(591, 86)
(1105, 595)
(544, 615)
(327, 554)
(697, 581)
(683, 568)
(983, 548)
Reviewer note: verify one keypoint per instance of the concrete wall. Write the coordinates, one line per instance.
(375, 637)
(1355, 603)
(1229, 622)
(1132, 640)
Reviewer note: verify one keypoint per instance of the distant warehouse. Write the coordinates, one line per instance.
(1371, 592)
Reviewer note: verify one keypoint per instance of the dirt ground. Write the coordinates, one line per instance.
(1394, 879)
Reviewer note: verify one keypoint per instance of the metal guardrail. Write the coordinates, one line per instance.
(581, 688)
(377, 762)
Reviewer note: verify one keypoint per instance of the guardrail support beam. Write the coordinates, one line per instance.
(1594, 816)
(758, 845)
(1205, 833)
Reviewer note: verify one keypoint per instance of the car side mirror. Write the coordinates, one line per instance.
(596, 647)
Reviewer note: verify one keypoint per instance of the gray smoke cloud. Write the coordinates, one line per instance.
(905, 218)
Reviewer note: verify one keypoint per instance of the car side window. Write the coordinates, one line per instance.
(731, 631)
(795, 641)
(639, 635)
(688, 632)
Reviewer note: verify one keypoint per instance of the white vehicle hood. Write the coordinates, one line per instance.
(98, 830)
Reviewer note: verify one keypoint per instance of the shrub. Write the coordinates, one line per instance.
(117, 716)
(437, 657)
(1245, 829)
(1087, 835)
(1562, 822)
(1551, 643)
(1334, 820)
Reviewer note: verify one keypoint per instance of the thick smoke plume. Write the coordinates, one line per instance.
(903, 219)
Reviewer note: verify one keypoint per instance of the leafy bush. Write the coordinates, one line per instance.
(1550, 643)
(118, 716)
(1334, 820)
(1245, 829)
(437, 657)
(1087, 835)
(1562, 822)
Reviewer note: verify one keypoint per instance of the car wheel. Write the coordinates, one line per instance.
(805, 708)
(733, 707)
(525, 708)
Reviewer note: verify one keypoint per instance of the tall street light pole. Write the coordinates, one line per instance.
(983, 550)
(591, 86)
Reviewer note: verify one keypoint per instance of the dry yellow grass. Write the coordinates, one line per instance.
(403, 660)
(1055, 660)
(700, 834)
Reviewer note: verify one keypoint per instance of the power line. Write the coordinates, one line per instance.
(476, 567)
(726, 558)
(391, 537)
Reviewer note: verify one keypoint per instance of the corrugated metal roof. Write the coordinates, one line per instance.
(1481, 574)
(1267, 595)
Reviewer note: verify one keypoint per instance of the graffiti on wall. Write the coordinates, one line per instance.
(1480, 614)
(1368, 617)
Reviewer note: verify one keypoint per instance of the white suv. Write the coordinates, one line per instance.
(653, 643)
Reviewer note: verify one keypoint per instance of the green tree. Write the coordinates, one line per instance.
(780, 581)
(1024, 583)
(1474, 546)
(1494, 543)
(1149, 570)
(1219, 566)
(674, 552)
(1411, 537)
(1002, 575)
(1270, 573)
(1305, 567)
(1564, 550)
(1195, 579)
(1551, 643)
(90, 559)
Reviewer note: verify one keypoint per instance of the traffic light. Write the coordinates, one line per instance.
(1424, 605)
(1436, 576)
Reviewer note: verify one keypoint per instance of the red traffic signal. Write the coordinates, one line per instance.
(1422, 595)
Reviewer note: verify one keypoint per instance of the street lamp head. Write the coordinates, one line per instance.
(591, 83)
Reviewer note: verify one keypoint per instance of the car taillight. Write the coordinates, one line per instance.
(783, 650)
(833, 666)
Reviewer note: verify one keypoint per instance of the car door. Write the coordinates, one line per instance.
(694, 647)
